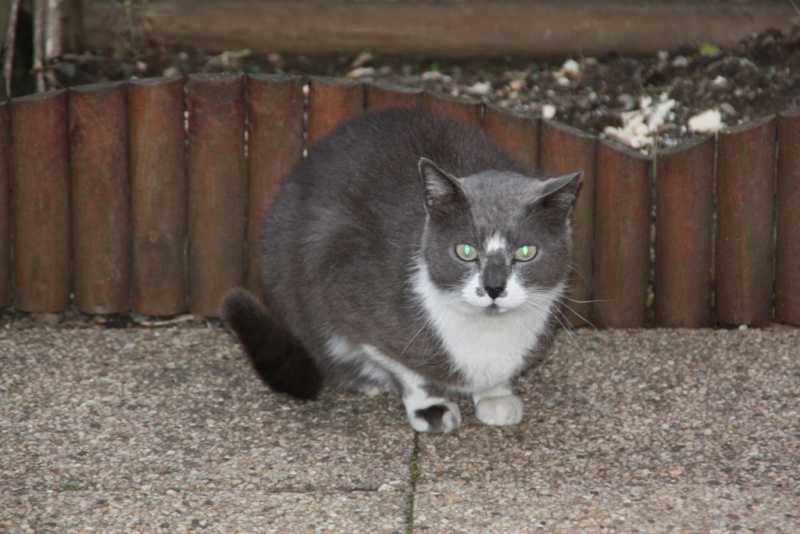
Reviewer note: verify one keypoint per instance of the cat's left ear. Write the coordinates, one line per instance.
(442, 189)
(561, 192)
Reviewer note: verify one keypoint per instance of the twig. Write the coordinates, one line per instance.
(795, 6)
(11, 37)
(39, 22)
(54, 37)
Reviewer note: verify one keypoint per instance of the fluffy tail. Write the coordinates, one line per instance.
(280, 360)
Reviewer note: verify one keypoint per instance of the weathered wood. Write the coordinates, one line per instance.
(684, 235)
(564, 150)
(331, 101)
(622, 237)
(40, 202)
(517, 132)
(5, 207)
(477, 28)
(275, 142)
(787, 254)
(385, 95)
(100, 198)
(217, 189)
(158, 196)
(464, 109)
(746, 223)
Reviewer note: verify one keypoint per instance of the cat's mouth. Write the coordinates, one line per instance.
(494, 309)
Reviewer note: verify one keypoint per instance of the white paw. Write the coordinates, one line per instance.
(440, 418)
(499, 411)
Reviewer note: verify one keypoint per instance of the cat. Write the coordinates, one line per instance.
(408, 253)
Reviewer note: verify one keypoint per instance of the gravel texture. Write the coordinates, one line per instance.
(653, 431)
(141, 430)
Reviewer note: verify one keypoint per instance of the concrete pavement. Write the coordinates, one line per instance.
(168, 430)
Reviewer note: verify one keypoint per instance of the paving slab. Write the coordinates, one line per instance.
(649, 431)
(169, 430)
(171, 427)
(223, 511)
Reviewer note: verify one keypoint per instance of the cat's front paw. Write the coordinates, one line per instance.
(499, 411)
(441, 418)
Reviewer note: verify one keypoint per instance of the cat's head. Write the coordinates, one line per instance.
(496, 241)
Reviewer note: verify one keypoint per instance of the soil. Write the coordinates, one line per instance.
(644, 102)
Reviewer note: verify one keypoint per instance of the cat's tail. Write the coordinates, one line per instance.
(279, 358)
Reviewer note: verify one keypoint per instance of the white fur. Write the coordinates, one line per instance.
(414, 396)
(488, 348)
(341, 349)
(498, 407)
(495, 242)
(476, 299)
(376, 366)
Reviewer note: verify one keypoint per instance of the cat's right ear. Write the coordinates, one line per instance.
(442, 189)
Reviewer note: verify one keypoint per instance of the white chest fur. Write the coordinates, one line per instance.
(488, 349)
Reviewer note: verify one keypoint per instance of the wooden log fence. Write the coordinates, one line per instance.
(563, 150)
(148, 196)
(158, 196)
(685, 229)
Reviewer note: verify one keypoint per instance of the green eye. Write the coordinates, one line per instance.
(466, 252)
(525, 253)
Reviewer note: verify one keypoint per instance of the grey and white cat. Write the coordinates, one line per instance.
(409, 254)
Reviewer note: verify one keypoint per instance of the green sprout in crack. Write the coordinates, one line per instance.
(71, 484)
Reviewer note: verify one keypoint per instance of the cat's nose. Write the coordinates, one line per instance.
(494, 291)
(495, 275)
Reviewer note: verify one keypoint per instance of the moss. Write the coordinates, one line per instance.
(414, 472)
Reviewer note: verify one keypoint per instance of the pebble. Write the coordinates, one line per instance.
(707, 122)
(727, 109)
(680, 61)
(361, 72)
(480, 88)
(641, 126)
(720, 81)
(548, 111)
(516, 85)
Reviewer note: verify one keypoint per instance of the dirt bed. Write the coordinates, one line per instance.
(648, 103)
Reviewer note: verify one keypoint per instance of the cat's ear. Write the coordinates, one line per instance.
(441, 188)
(560, 192)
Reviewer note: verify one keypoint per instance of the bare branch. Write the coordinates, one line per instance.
(11, 37)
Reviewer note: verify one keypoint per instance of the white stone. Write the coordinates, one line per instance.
(706, 122)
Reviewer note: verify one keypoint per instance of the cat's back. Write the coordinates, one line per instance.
(363, 181)
(380, 150)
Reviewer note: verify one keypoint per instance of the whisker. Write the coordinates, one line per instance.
(578, 301)
(578, 315)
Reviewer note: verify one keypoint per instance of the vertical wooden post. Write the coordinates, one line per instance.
(40, 202)
(787, 254)
(384, 95)
(745, 236)
(464, 109)
(622, 237)
(516, 132)
(5, 207)
(275, 144)
(564, 150)
(100, 197)
(331, 101)
(158, 196)
(684, 233)
(217, 189)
